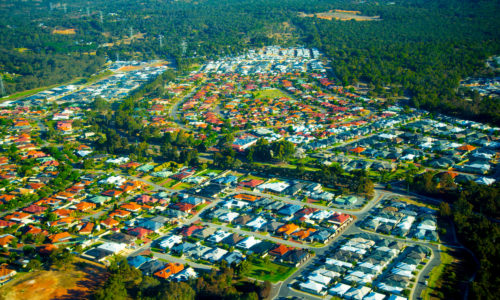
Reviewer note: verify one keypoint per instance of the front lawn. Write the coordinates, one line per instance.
(182, 186)
(170, 183)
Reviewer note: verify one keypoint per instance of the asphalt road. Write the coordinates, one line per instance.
(282, 290)
(434, 260)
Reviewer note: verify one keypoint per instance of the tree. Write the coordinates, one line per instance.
(444, 209)
(114, 289)
(243, 267)
(34, 265)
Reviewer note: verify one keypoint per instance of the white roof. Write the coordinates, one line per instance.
(215, 254)
(115, 180)
(388, 288)
(313, 286)
(340, 289)
(248, 242)
(334, 262)
(485, 180)
(279, 186)
(374, 296)
(316, 277)
(401, 272)
(229, 217)
(322, 214)
(405, 266)
(170, 241)
(257, 223)
(353, 249)
(358, 292)
(327, 273)
(185, 274)
(118, 160)
(218, 236)
(113, 247)
(371, 266)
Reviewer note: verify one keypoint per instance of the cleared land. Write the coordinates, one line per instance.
(271, 93)
(269, 271)
(77, 282)
(69, 31)
(342, 15)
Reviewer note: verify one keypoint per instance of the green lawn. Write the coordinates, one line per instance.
(170, 184)
(208, 171)
(250, 177)
(200, 207)
(27, 93)
(182, 186)
(270, 271)
(271, 93)
(437, 272)
(37, 90)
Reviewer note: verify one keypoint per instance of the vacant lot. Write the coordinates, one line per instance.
(69, 31)
(271, 93)
(341, 15)
(269, 271)
(77, 282)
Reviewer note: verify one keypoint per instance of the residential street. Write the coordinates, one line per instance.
(281, 289)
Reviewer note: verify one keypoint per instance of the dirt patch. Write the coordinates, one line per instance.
(342, 15)
(68, 31)
(128, 68)
(78, 282)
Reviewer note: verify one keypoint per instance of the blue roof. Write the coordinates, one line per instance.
(290, 209)
(244, 141)
(151, 225)
(138, 261)
(193, 200)
(226, 179)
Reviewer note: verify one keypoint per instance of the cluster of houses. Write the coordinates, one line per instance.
(151, 266)
(484, 86)
(271, 59)
(279, 219)
(211, 246)
(438, 144)
(365, 267)
(126, 76)
(50, 206)
(403, 220)
(293, 104)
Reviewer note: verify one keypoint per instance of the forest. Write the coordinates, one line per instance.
(420, 49)
(474, 210)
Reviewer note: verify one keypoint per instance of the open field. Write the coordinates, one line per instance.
(77, 282)
(26, 93)
(271, 93)
(68, 31)
(450, 278)
(270, 271)
(341, 15)
(182, 186)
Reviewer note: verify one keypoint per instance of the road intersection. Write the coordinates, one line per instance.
(282, 289)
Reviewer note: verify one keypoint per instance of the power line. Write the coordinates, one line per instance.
(184, 47)
(2, 88)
